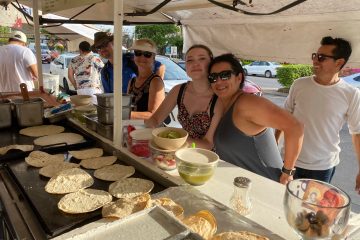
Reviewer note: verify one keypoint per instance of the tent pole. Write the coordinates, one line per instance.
(118, 24)
(37, 43)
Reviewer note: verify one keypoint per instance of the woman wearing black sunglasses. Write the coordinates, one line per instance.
(147, 88)
(243, 136)
(198, 109)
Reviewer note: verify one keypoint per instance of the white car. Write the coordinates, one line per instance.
(268, 69)
(353, 80)
(60, 67)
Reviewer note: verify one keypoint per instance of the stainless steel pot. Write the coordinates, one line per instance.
(5, 110)
(29, 113)
(107, 100)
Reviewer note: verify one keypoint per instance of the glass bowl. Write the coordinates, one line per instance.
(315, 209)
(195, 165)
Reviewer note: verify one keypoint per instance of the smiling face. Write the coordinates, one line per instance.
(197, 63)
(329, 66)
(225, 88)
(144, 59)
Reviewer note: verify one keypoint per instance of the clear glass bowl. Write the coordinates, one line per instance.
(315, 209)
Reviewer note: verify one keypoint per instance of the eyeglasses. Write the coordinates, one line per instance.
(321, 57)
(146, 54)
(224, 75)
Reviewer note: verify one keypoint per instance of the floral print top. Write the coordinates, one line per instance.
(197, 124)
(87, 70)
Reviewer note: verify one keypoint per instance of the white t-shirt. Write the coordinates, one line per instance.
(323, 110)
(14, 63)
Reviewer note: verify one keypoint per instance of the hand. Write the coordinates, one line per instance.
(284, 178)
(357, 184)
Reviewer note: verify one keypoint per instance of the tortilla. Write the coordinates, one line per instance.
(42, 130)
(68, 138)
(96, 163)
(24, 148)
(42, 159)
(242, 235)
(87, 153)
(130, 187)
(203, 223)
(83, 201)
(69, 180)
(114, 172)
(169, 205)
(126, 206)
(52, 170)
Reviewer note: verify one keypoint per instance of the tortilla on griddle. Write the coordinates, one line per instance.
(130, 187)
(84, 200)
(126, 206)
(203, 223)
(170, 206)
(52, 170)
(99, 162)
(24, 148)
(114, 172)
(69, 180)
(242, 235)
(68, 138)
(87, 153)
(42, 130)
(42, 159)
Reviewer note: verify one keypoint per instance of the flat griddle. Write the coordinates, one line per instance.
(53, 221)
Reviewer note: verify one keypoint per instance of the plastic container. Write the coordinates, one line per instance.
(29, 113)
(138, 142)
(51, 83)
(80, 111)
(169, 138)
(5, 116)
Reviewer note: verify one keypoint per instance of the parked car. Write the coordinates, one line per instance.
(45, 52)
(60, 67)
(182, 64)
(268, 69)
(353, 80)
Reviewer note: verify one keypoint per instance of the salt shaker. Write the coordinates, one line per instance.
(240, 200)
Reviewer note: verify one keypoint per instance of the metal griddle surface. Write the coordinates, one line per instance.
(54, 221)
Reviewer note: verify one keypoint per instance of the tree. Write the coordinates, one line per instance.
(3, 32)
(162, 35)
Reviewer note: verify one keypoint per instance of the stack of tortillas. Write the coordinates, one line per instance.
(242, 235)
(99, 162)
(125, 207)
(130, 187)
(52, 170)
(42, 130)
(42, 159)
(170, 206)
(83, 201)
(114, 172)
(203, 223)
(87, 153)
(24, 148)
(68, 138)
(69, 180)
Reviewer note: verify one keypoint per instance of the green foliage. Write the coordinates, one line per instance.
(3, 30)
(288, 73)
(162, 35)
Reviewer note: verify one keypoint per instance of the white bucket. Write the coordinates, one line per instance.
(51, 83)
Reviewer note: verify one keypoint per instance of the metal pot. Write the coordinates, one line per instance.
(29, 113)
(5, 110)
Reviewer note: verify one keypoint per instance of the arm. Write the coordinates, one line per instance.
(165, 108)
(356, 143)
(34, 74)
(71, 77)
(161, 71)
(207, 141)
(260, 113)
(156, 97)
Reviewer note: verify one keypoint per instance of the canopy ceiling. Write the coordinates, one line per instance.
(250, 32)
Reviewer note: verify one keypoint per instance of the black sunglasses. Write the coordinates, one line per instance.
(146, 54)
(224, 75)
(321, 57)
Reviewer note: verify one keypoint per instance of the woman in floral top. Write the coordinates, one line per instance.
(84, 72)
(199, 111)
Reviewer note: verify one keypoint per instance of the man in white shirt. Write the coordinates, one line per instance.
(324, 102)
(17, 64)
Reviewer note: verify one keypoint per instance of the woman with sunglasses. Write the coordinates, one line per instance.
(243, 136)
(147, 88)
(198, 109)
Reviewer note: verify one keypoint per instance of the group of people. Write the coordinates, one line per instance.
(219, 115)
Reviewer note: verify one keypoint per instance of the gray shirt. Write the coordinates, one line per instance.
(258, 154)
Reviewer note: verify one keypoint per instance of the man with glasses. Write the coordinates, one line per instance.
(323, 102)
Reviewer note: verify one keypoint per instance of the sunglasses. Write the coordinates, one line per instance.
(321, 57)
(224, 75)
(146, 54)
